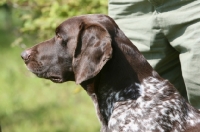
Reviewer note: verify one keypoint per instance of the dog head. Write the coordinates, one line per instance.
(78, 51)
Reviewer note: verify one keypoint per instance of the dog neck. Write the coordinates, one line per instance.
(115, 83)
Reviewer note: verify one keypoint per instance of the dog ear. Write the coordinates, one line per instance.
(92, 51)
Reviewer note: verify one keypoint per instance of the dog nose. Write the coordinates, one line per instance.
(25, 55)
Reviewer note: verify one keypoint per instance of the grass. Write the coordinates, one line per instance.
(30, 104)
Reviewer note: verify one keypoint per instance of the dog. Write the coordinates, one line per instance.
(129, 96)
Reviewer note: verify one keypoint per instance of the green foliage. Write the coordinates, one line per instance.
(43, 16)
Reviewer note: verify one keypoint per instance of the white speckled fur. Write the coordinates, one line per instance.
(150, 115)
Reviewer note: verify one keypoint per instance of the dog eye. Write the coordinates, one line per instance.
(58, 36)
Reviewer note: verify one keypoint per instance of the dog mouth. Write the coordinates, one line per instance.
(53, 78)
(46, 75)
(56, 79)
(61, 78)
(53, 75)
(42, 72)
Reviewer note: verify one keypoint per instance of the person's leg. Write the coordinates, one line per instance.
(134, 18)
(181, 25)
(140, 22)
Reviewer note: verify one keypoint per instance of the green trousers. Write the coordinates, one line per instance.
(167, 32)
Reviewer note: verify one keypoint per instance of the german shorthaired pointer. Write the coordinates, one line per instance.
(129, 96)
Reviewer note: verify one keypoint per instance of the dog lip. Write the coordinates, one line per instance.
(55, 79)
(42, 72)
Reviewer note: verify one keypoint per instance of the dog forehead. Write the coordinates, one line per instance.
(70, 24)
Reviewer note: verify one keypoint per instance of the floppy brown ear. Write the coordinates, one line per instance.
(92, 52)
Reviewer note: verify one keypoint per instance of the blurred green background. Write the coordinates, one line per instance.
(30, 104)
